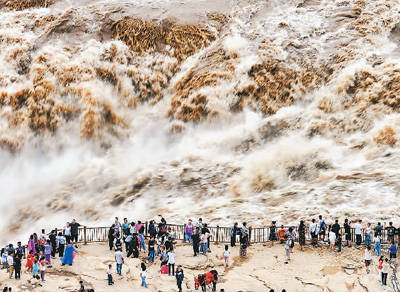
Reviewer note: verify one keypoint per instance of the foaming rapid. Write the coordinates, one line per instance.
(235, 110)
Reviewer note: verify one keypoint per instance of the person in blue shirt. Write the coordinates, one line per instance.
(393, 251)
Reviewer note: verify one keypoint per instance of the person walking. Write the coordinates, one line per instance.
(47, 251)
(287, 249)
(339, 243)
(385, 271)
(367, 258)
(233, 232)
(119, 259)
(226, 255)
(377, 244)
(68, 258)
(179, 277)
(109, 275)
(143, 275)
(171, 262)
(111, 237)
(53, 242)
(60, 241)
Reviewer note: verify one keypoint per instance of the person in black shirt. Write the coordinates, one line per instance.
(196, 241)
(179, 277)
(168, 245)
(233, 233)
(272, 233)
(17, 266)
(53, 241)
(347, 232)
(391, 230)
(74, 231)
(378, 229)
(152, 254)
(336, 228)
(111, 237)
(135, 245)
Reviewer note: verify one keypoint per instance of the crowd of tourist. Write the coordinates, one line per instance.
(161, 240)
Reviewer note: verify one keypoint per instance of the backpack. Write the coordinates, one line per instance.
(164, 229)
(323, 225)
(118, 243)
(215, 273)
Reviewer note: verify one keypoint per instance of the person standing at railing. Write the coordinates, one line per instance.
(74, 231)
(347, 232)
(378, 230)
(302, 235)
(152, 229)
(272, 233)
(358, 232)
(189, 228)
(391, 231)
(336, 228)
(67, 233)
(233, 233)
(205, 230)
(314, 232)
(367, 233)
(111, 237)
(125, 227)
(322, 228)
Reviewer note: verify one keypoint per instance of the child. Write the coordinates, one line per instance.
(17, 266)
(393, 252)
(109, 275)
(179, 277)
(29, 261)
(10, 261)
(380, 265)
(287, 249)
(42, 266)
(226, 255)
(143, 275)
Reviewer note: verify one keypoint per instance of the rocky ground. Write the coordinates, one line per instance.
(311, 270)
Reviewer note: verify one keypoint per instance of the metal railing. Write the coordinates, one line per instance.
(218, 234)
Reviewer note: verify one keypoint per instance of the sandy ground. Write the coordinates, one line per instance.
(311, 270)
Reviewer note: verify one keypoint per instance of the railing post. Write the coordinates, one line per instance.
(84, 235)
(250, 235)
(216, 240)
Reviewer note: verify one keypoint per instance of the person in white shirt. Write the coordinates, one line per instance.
(314, 232)
(10, 262)
(119, 258)
(171, 263)
(385, 271)
(358, 232)
(367, 257)
(67, 233)
(226, 255)
(332, 239)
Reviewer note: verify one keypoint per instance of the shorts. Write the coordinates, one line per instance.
(367, 262)
(348, 236)
(272, 236)
(393, 256)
